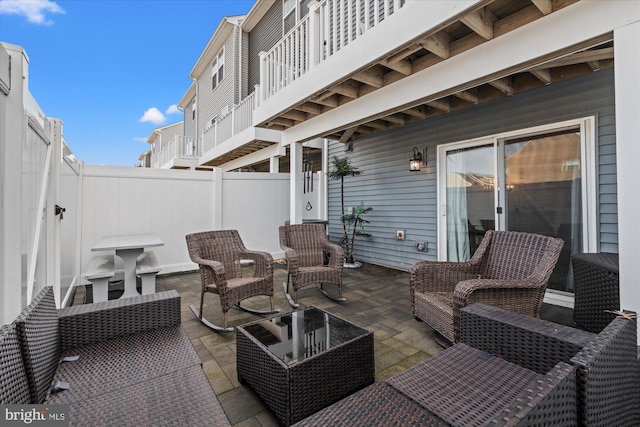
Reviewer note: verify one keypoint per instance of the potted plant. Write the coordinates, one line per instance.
(353, 222)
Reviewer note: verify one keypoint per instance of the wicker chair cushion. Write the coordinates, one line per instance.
(39, 338)
(375, 405)
(128, 360)
(435, 308)
(14, 387)
(181, 398)
(463, 385)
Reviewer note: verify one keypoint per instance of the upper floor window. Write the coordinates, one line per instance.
(217, 70)
(292, 12)
(193, 111)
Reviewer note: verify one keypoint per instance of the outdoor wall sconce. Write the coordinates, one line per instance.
(419, 159)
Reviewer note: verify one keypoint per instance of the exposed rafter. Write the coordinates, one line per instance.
(440, 104)
(347, 134)
(295, 115)
(438, 44)
(504, 85)
(402, 66)
(543, 75)
(346, 89)
(480, 22)
(465, 95)
(369, 78)
(544, 6)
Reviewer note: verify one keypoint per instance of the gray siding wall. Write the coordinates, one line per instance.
(210, 102)
(262, 38)
(189, 122)
(244, 67)
(402, 200)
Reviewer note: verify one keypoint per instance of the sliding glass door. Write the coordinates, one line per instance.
(533, 181)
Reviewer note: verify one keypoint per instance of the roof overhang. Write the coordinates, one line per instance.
(189, 95)
(258, 10)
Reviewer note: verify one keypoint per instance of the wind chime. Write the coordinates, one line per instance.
(307, 177)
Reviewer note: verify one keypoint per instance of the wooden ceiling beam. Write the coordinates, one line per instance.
(346, 135)
(296, 115)
(544, 6)
(480, 22)
(377, 124)
(504, 85)
(369, 78)
(397, 118)
(579, 58)
(419, 112)
(330, 101)
(440, 104)
(280, 121)
(465, 95)
(438, 44)
(543, 75)
(404, 53)
(347, 89)
(310, 107)
(403, 66)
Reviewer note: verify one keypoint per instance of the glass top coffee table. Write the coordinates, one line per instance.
(301, 362)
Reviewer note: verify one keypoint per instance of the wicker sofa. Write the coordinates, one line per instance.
(136, 365)
(508, 369)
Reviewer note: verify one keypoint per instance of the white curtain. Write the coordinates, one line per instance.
(457, 216)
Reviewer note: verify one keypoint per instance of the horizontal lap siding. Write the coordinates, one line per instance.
(211, 102)
(262, 38)
(402, 200)
(189, 122)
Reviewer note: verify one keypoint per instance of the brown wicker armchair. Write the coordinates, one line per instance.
(509, 270)
(304, 246)
(218, 255)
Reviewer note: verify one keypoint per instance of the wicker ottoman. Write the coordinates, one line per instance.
(301, 362)
(597, 289)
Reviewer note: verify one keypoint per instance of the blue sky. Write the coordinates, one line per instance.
(112, 70)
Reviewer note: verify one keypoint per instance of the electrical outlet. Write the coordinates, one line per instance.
(421, 246)
(400, 234)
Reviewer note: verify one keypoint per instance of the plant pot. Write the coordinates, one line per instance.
(355, 264)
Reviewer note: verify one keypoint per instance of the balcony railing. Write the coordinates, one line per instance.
(180, 147)
(329, 26)
(239, 118)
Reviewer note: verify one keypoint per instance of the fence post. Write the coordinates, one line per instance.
(217, 198)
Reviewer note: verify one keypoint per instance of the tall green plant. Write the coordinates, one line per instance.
(356, 224)
(343, 168)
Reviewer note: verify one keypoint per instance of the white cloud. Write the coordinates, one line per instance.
(173, 109)
(141, 139)
(33, 10)
(153, 115)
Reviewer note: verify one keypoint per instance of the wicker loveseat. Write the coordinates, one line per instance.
(136, 365)
(508, 369)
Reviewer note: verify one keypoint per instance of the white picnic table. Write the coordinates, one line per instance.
(128, 247)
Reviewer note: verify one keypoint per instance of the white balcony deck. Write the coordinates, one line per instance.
(181, 152)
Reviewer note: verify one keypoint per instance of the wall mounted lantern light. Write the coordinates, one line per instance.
(419, 159)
